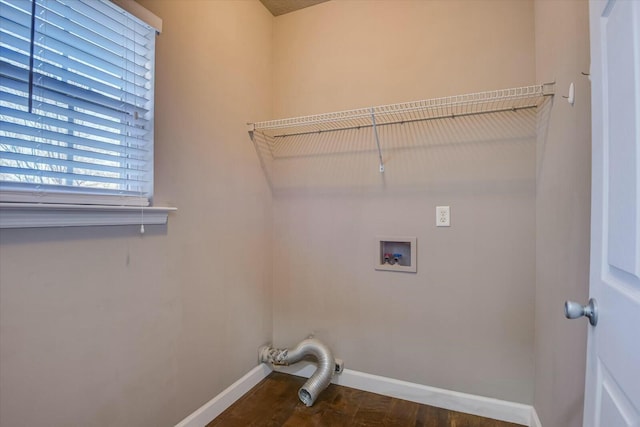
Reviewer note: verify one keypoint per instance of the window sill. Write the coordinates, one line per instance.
(30, 215)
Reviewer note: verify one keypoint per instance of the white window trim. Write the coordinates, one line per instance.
(34, 215)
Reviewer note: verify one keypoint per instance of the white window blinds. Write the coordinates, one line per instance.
(76, 103)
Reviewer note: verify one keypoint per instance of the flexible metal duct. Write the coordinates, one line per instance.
(320, 379)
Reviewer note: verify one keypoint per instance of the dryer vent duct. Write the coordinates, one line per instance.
(320, 379)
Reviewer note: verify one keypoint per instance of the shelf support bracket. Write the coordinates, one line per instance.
(375, 134)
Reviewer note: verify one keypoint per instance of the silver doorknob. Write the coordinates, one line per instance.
(573, 310)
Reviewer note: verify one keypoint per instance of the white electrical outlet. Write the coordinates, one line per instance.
(443, 216)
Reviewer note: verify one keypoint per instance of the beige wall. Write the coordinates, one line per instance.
(103, 327)
(465, 320)
(345, 54)
(562, 213)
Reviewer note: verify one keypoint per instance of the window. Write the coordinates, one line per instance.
(76, 103)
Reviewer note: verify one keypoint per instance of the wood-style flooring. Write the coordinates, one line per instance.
(274, 403)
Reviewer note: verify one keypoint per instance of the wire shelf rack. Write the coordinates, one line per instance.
(501, 100)
(436, 108)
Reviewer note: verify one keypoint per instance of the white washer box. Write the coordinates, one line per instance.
(406, 247)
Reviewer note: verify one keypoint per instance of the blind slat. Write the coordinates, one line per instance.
(44, 159)
(71, 151)
(59, 35)
(19, 12)
(116, 14)
(8, 56)
(64, 100)
(54, 13)
(75, 79)
(44, 108)
(128, 93)
(12, 72)
(105, 68)
(44, 191)
(121, 30)
(15, 115)
(69, 176)
(49, 136)
(72, 91)
(108, 81)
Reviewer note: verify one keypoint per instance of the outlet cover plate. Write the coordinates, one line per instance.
(443, 216)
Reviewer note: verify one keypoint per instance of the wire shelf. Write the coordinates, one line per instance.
(268, 134)
(429, 109)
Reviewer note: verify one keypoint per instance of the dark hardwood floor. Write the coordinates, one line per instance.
(274, 403)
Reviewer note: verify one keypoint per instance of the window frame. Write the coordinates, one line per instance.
(52, 208)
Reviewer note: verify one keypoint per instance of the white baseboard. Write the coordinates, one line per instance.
(535, 421)
(455, 401)
(452, 400)
(207, 412)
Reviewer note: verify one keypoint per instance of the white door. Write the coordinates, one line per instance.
(612, 393)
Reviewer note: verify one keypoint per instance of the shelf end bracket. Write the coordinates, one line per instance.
(251, 127)
(548, 88)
